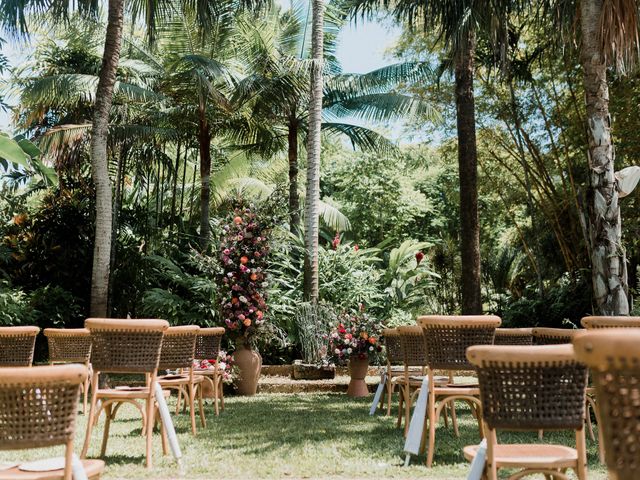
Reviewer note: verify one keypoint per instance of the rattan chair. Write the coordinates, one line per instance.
(391, 339)
(178, 349)
(513, 336)
(613, 355)
(553, 336)
(124, 346)
(71, 345)
(207, 348)
(413, 349)
(597, 322)
(17, 345)
(528, 389)
(38, 408)
(448, 338)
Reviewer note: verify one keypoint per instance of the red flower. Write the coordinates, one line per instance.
(419, 257)
(244, 260)
(237, 220)
(356, 247)
(336, 241)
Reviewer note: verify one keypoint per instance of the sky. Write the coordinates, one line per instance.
(362, 47)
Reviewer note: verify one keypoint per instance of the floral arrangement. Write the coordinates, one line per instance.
(355, 335)
(224, 363)
(243, 252)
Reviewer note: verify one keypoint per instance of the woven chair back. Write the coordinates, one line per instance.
(513, 336)
(613, 355)
(530, 388)
(208, 343)
(17, 345)
(591, 323)
(68, 345)
(553, 336)
(392, 346)
(38, 405)
(125, 345)
(448, 338)
(178, 347)
(413, 346)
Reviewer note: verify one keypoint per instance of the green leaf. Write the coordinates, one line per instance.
(10, 150)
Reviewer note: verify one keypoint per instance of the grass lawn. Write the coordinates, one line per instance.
(289, 436)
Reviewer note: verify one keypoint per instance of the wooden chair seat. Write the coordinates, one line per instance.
(530, 456)
(93, 468)
(416, 380)
(451, 390)
(172, 381)
(130, 393)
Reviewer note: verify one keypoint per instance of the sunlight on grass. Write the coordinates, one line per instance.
(289, 436)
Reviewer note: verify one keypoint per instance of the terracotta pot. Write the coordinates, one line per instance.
(249, 363)
(358, 368)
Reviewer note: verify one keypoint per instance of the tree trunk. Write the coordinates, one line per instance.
(608, 261)
(313, 156)
(468, 165)
(99, 160)
(204, 138)
(294, 200)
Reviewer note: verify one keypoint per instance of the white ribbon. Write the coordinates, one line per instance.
(414, 436)
(477, 466)
(379, 390)
(165, 416)
(77, 469)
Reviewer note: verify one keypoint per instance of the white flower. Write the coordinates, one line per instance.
(337, 351)
(371, 349)
(349, 350)
(242, 298)
(222, 365)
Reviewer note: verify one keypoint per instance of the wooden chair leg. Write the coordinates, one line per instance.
(179, 401)
(407, 409)
(163, 434)
(68, 461)
(400, 406)
(192, 407)
(581, 447)
(390, 388)
(150, 407)
(92, 414)
(431, 409)
(215, 394)
(105, 433)
(203, 420)
(221, 390)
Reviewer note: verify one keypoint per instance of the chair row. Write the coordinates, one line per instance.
(441, 343)
(115, 346)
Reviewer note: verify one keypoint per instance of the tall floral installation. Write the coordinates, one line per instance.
(244, 250)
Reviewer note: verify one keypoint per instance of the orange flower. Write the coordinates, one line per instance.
(244, 260)
(254, 277)
(364, 335)
(247, 322)
(19, 219)
(234, 300)
(259, 314)
(372, 340)
(237, 220)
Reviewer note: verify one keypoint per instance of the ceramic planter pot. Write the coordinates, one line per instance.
(249, 363)
(358, 368)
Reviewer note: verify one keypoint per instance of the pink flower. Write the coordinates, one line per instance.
(336, 241)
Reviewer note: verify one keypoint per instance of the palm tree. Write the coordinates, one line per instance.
(313, 155)
(279, 87)
(608, 37)
(457, 23)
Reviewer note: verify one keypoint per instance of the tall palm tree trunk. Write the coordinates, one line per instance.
(313, 156)
(468, 166)
(99, 161)
(294, 200)
(608, 269)
(204, 138)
